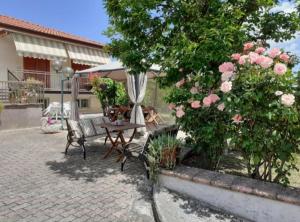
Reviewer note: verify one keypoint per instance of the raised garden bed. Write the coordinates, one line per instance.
(248, 198)
(232, 163)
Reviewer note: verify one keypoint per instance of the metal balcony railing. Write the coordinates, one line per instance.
(50, 81)
(21, 92)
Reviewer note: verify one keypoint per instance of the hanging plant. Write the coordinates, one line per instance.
(108, 92)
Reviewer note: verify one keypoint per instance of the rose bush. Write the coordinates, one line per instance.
(259, 96)
(254, 106)
(199, 112)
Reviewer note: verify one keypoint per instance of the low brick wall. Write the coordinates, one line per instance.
(20, 116)
(248, 198)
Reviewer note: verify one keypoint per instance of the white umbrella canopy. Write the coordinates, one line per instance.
(116, 71)
(136, 84)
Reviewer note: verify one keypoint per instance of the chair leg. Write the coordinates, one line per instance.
(147, 174)
(123, 163)
(146, 165)
(84, 151)
(67, 147)
(106, 138)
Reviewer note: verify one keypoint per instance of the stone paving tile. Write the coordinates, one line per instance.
(39, 183)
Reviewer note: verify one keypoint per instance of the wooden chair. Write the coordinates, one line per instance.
(139, 151)
(153, 117)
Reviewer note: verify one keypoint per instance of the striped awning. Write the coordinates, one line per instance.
(87, 56)
(41, 48)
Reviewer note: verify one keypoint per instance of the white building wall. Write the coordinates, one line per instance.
(10, 60)
(8, 57)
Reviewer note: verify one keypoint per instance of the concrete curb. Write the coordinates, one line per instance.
(156, 211)
(170, 206)
(157, 216)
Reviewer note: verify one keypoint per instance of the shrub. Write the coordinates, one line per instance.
(258, 93)
(196, 107)
(109, 92)
(33, 81)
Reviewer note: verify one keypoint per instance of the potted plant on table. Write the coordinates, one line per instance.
(120, 120)
(162, 152)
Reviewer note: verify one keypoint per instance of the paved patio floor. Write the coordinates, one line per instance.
(38, 183)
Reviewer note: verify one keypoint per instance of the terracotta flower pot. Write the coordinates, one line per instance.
(169, 155)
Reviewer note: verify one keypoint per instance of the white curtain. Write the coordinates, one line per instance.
(136, 90)
(74, 94)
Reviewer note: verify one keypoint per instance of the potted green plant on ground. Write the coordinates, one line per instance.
(162, 153)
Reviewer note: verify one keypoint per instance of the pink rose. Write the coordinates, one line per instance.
(210, 99)
(237, 118)
(260, 50)
(235, 56)
(171, 106)
(221, 106)
(248, 45)
(226, 86)
(253, 57)
(207, 101)
(260, 59)
(179, 111)
(226, 76)
(194, 90)
(243, 59)
(226, 67)
(287, 99)
(274, 52)
(264, 61)
(284, 57)
(180, 83)
(214, 98)
(280, 69)
(195, 104)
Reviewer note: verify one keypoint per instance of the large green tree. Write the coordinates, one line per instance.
(185, 36)
(190, 39)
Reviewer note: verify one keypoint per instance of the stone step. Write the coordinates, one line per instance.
(174, 207)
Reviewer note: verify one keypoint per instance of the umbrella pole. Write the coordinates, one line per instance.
(115, 93)
(155, 94)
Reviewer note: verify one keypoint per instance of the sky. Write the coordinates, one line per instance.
(292, 45)
(88, 18)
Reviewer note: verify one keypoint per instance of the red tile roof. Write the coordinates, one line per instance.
(10, 23)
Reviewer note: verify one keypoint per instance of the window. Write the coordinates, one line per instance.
(83, 103)
(38, 69)
(79, 67)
